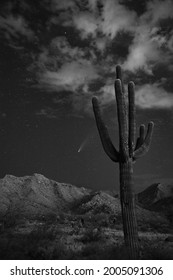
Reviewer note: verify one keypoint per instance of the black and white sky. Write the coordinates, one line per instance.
(54, 56)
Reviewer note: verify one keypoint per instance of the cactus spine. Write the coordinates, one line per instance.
(128, 153)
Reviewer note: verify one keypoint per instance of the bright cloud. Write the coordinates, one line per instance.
(64, 52)
(92, 4)
(107, 93)
(146, 49)
(147, 96)
(143, 52)
(100, 44)
(64, 67)
(153, 96)
(116, 17)
(69, 77)
(158, 10)
(86, 23)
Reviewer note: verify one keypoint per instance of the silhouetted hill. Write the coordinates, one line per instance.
(155, 193)
(157, 197)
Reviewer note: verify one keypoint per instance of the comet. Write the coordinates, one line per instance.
(83, 144)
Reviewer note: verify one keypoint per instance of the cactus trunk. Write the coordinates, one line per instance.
(128, 209)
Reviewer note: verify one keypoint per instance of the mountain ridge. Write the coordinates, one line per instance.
(154, 195)
(37, 195)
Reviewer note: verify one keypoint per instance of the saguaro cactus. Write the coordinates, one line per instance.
(128, 153)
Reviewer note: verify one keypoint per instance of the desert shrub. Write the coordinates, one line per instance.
(116, 221)
(62, 218)
(10, 220)
(101, 220)
(40, 243)
(169, 215)
(51, 218)
(91, 251)
(44, 231)
(156, 252)
(91, 235)
(154, 224)
(21, 248)
(52, 251)
(105, 209)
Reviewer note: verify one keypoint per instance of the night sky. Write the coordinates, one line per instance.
(54, 56)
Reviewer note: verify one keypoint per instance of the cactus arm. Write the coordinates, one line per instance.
(141, 137)
(103, 132)
(146, 144)
(119, 76)
(122, 120)
(131, 118)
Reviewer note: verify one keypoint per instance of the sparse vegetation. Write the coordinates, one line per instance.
(156, 251)
(42, 240)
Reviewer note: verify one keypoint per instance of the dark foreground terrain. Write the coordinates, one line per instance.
(43, 219)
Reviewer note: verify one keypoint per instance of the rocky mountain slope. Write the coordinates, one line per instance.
(34, 196)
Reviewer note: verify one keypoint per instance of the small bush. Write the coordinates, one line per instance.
(91, 235)
(155, 250)
(157, 253)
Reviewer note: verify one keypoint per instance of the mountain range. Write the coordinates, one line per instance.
(35, 196)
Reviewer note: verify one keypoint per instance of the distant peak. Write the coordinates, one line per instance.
(39, 176)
